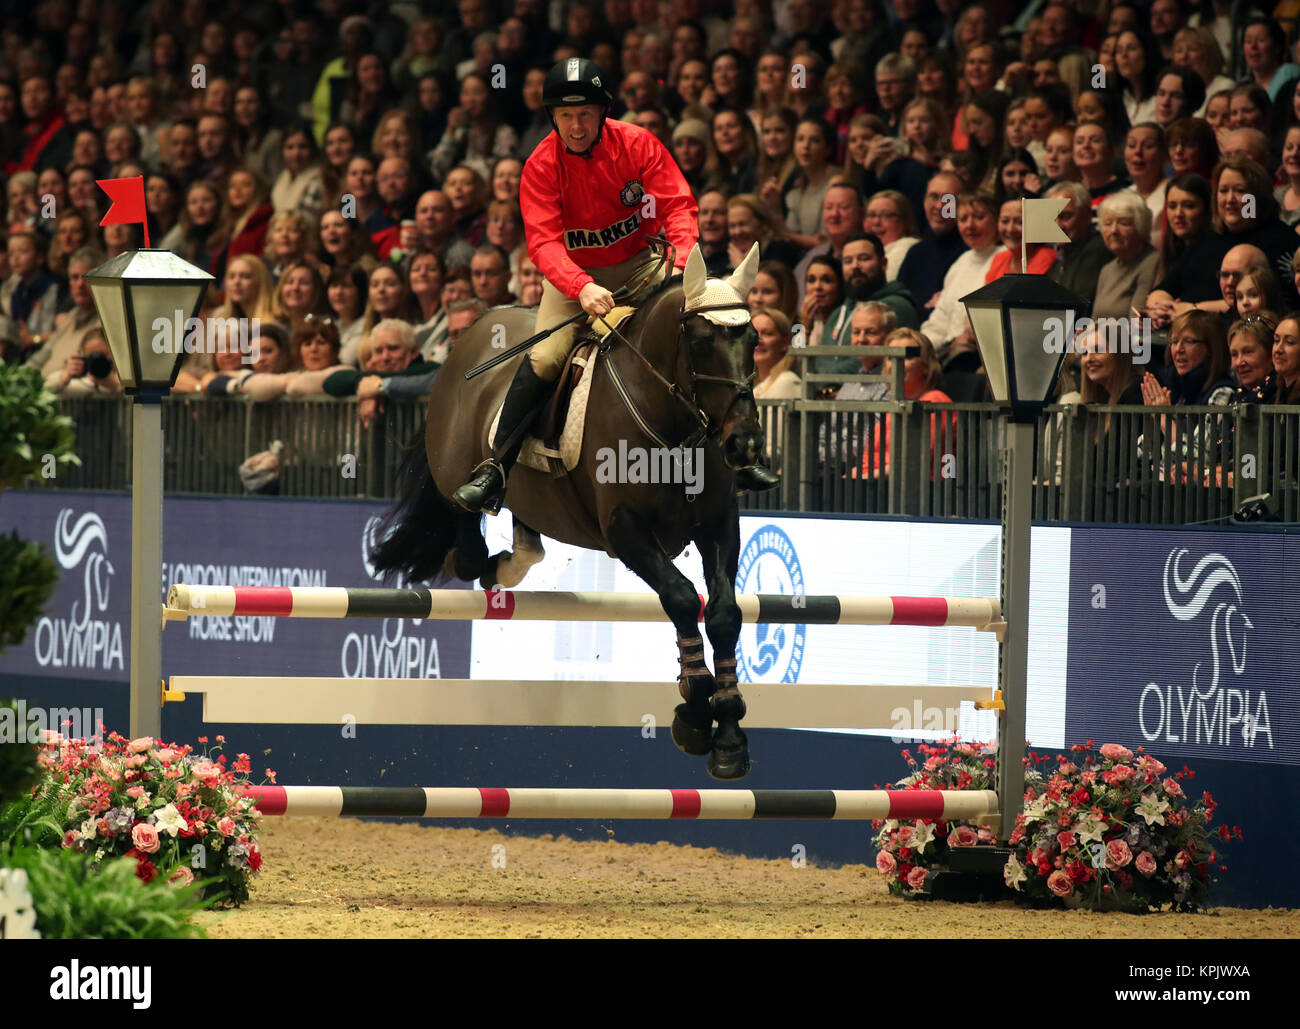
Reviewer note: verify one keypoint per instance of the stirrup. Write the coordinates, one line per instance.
(482, 494)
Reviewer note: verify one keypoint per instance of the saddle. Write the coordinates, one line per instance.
(554, 442)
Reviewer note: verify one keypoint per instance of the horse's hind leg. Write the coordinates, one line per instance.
(635, 544)
(720, 552)
(468, 559)
(508, 568)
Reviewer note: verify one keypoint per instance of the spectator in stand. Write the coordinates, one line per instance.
(1108, 373)
(89, 371)
(344, 242)
(1078, 262)
(48, 353)
(300, 293)
(1094, 159)
(775, 287)
(530, 282)
(395, 186)
(371, 94)
(895, 86)
(490, 274)
(435, 229)
(1195, 48)
(977, 221)
(346, 290)
(889, 218)
(1264, 47)
(886, 164)
(425, 282)
(1258, 291)
(248, 290)
(864, 267)
(1235, 179)
(823, 293)
(1288, 193)
(1286, 359)
(476, 133)
(1145, 157)
(693, 151)
(927, 263)
(258, 141)
(774, 374)
(1196, 364)
(1010, 233)
(841, 218)
(983, 116)
(290, 238)
(505, 230)
(72, 231)
(45, 138)
(388, 297)
(300, 186)
(247, 218)
(538, 126)
(736, 145)
(1127, 279)
(181, 157)
(814, 149)
(922, 131)
(30, 296)
(751, 221)
(461, 314)
(1250, 355)
(467, 191)
(1138, 62)
(314, 349)
(200, 224)
(506, 174)
(922, 376)
(339, 148)
(216, 148)
(871, 323)
(713, 232)
(1179, 94)
(1193, 147)
(1058, 156)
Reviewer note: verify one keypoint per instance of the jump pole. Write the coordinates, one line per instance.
(982, 613)
(472, 802)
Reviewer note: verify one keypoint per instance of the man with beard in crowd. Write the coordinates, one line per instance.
(864, 281)
(713, 233)
(929, 260)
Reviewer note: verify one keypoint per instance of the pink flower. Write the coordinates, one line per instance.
(1121, 773)
(986, 835)
(1182, 860)
(1066, 839)
(69, 839)
(1172, 788)
(135, 791)
(885, 863)
(164, 755)
(916, 877)
(1117, 854)
(226, 827)
(141, 745)
(1114, 752)
(1146, 864)
(135, 761)
(1150, 764)
(904, 836)
(181, 877)
(145, 838)
(205, 769)
(963, 836)
(1059, 882)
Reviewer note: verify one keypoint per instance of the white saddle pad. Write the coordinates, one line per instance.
(536, 454)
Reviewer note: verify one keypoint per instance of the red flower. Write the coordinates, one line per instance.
(1080, 797)
(144, 868)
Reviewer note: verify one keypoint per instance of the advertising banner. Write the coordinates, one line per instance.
(85, 633)
(1188, 645)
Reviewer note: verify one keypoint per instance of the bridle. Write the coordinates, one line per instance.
(705, 427)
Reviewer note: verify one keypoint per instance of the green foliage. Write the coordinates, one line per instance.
(28, 576)
(18, 767)
(30, 427)
(74, 901)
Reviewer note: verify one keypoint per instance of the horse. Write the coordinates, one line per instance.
(682, 372)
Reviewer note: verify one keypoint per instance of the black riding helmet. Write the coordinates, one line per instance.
(573, 83)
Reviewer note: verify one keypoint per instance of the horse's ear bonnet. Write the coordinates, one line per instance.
(701, 291)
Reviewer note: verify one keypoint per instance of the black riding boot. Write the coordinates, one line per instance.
(487, 485)
(756, 479)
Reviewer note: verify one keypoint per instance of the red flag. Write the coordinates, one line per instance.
(127, 207)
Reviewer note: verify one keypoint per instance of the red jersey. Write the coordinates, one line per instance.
(589, 211)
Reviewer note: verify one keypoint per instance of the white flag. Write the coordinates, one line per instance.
(1038, 220)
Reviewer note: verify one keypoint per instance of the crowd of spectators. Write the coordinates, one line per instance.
(349, 173)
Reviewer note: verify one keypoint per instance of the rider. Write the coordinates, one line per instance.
(591, 193)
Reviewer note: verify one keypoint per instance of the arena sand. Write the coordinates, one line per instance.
(344, 878)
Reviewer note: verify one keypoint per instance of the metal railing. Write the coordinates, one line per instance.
(1092, 464)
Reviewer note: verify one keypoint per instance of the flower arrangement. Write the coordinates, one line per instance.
(179, 815)
(1104, 829)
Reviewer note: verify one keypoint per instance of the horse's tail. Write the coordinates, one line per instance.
(416, 535)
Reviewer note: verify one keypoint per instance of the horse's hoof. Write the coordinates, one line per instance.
(730, 762)
(691, 736)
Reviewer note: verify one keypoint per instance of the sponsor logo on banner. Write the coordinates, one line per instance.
(1207, 703)
(769, 563)
(84, 638)
(387, 653)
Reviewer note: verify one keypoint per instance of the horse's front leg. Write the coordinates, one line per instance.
(720, 552)
(634, 542)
